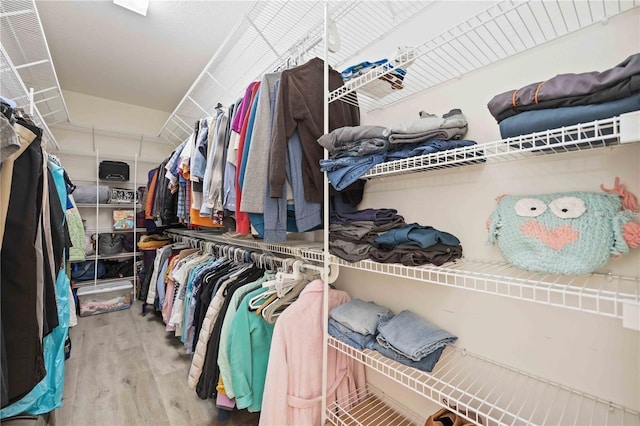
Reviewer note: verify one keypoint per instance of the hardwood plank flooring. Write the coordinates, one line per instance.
(126, 370)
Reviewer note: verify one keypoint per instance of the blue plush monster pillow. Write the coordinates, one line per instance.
(565, 233)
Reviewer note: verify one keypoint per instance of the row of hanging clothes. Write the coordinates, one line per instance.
(36, 301)
(257, 160)
(251, 322)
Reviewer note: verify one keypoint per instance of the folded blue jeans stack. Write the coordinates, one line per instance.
(412, 340)
(405, 338)
(356, 322)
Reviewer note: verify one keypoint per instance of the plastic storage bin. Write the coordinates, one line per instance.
(107, 297)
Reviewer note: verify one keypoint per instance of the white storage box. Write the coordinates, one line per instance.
(107, 297)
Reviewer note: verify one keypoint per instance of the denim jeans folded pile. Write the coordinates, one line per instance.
(412, 336)
(354, 150)
(360, 316)
(356, 322)
(405, 338)
(344, 171)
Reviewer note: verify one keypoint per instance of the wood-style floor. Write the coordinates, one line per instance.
(126, 370)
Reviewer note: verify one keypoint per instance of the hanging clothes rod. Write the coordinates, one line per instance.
(242, 254)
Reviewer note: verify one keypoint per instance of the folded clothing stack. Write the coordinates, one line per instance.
(394, 77)
(353, 151)
(414, 244)
(356, 322)
(352, 235)
(452, 125)
(569, 99)
(405, 338)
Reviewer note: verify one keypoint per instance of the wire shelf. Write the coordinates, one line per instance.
(369, 406)
(502, 30)
(302, 249)
(593, 293)
(580, 137)
(278, 35)
(489, 393)
(24, 42)
(13, 87)
(112, 205)
(112, 231)
(600, 294)
(91, 283)
(114, 256)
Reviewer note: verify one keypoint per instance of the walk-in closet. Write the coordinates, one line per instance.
(320, 213)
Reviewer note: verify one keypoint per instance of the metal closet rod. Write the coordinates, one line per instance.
(242, 254)
(229, 250)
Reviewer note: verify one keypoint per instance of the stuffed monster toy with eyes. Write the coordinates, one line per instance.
(565, 233)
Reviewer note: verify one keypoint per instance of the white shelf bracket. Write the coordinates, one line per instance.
(631, 315)
(630, 127)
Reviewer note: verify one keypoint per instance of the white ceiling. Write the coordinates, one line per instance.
(103, 50)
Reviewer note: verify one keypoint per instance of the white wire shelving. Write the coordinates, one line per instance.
(111, 206)
(371, 407)
(600, 294)
(489, 393)
(114, 256)
(12, 87)
(112, 231)
(306, 250)
(93, 283)
(27, 64)
(607, 133)
(278, 35)
(502, 30)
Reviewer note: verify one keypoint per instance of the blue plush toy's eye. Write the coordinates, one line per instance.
(568, 207)
(530, 207)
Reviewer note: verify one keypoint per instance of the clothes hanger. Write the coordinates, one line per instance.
(269, 300)
(284, 281)
(281, 283)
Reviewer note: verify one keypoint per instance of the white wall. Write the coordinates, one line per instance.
(112, 115)
(122, 131)
(584, 351)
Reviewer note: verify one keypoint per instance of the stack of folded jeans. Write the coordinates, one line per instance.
(412, 341)
(356, 323)
(352, 152)
(406, 338)
(569, 99)
(414, 244)
(352, 235)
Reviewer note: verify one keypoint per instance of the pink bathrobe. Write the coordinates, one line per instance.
(293, 388)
